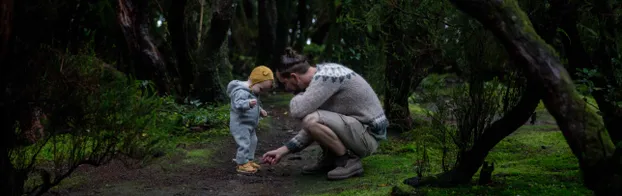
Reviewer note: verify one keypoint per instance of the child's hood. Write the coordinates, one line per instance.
(236, 85)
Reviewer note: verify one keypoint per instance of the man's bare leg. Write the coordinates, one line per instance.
(323, 135)
(320, 128)
(331, 145)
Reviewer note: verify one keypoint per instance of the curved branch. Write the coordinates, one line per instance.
(581, 126)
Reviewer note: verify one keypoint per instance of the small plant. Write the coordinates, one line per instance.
(442, 131)
(474, 106)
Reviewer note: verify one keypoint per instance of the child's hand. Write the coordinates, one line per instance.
(264, 113)
(252, 102)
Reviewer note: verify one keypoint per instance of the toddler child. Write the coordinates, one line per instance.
(244, 115)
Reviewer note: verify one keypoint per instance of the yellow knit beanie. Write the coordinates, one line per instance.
(261, 73)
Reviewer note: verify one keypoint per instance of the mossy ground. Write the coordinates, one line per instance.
(535, 160)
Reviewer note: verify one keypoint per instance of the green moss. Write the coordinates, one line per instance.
(532, 161)
(522, 20)
(198, 156)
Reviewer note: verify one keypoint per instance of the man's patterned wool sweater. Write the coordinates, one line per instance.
(338, 89)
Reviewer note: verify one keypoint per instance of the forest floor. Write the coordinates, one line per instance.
(203, 169)
(535, 160)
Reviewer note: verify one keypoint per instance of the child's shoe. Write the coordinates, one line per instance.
(255, 165)
(246, 168)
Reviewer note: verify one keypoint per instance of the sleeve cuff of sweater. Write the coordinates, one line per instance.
(292, 147)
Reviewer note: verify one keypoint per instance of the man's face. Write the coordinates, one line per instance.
(292, 84)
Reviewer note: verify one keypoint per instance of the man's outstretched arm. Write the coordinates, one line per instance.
(299, 142)
(296, 144)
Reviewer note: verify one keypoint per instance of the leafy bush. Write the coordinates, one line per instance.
(194, 115)
(91, 115)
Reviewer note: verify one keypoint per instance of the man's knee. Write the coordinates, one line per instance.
(311, 120)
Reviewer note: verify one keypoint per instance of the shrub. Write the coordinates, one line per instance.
(92, 114)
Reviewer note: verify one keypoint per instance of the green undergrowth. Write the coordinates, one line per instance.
(198, 146)
(201, 129)
(532, 161)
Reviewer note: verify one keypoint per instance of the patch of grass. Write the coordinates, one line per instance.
(67, 182)
(532, 161)
(199, 156)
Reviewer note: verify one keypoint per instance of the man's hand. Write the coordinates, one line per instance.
(263, 113)
(252, 103)
(274, 156)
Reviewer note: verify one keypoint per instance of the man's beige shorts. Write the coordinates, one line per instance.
(353, 134)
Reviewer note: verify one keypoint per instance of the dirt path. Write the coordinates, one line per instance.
(213, 175)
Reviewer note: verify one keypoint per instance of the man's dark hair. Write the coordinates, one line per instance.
(292, 62)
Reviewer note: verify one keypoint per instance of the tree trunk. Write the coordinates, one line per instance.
(303, 22)
(247, 6)
(319, 35)
(403, 72)
(332, 38)
(603, 56)
(581, 126)
(267, 32)
(398, 83)
(578, 58)
(134, 20)
(6, 21)
(208, 83)
(282, 31)
(201, 15)
(11, 180)
(179, 41)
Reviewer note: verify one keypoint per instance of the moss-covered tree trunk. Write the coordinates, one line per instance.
(581, 126)
(579, 58)
(604, 54)
(208, 84)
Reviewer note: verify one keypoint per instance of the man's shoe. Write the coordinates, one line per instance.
(324, 164)
(352, 167)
